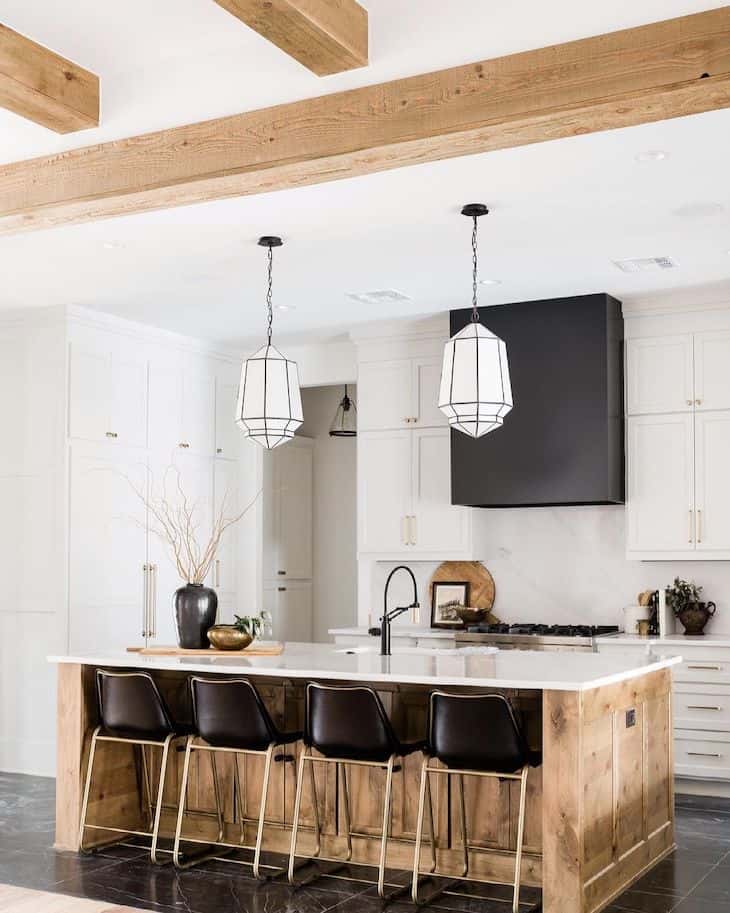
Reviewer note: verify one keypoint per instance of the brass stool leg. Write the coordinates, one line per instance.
(217, 795)
(462, 820)
(297, 808)
(262, 811)
(432, 829)
(177, 862)
(87, 788)
(160, 793)
(147, 787)
(239, 797)
(346, 808)
(386, 825)
(419, 830)
(520, 838)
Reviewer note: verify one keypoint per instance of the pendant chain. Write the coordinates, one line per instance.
(269, 308)
(475, 310)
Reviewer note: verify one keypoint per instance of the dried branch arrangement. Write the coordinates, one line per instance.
(174, 521)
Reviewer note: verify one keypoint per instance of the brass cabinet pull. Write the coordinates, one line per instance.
(413, 530)
(153, 600)
(281, 589)
(698, 402)
(184, 445)
(704, 754)
(705, 668)
(699, 526)
(112, 434)
(145, 601)
(219, 450)
(217, 575)
(281, 573)
(691, 512)
(689, 402)
(701, 707)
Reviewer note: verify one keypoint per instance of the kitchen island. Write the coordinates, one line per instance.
(599, 809)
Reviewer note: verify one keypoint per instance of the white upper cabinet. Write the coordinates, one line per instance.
(402, 393)
(108, 395)
(182, 405)
(437, 525)
(712, 482)
(227, 434)
(712, 370)
(384, 491)
(384, 395)
(659, 374)
(660, 502)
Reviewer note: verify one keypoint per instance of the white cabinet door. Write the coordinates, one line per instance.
(227, 433)
(293, 475)
(107, 548)
(384, 491)
(198, 412)
(290, 605)
(426, 384)
(659, 374)
(129, 390)
(192, 487)
(90, 383)
(166, 406)
(438, 526)
(712, 481)
(385, 395)
(712, 370)
(225, 568)
(660, 508)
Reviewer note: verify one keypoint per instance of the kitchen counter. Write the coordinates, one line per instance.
(705, 640)
(398, 629)
(479, 667)
(600, 807)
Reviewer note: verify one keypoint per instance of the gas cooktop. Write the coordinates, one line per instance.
(543, 630)
(535, 636)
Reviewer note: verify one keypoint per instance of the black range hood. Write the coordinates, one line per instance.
(563, 442)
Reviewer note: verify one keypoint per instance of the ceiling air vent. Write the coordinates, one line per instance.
(379, 296)
(645, 264)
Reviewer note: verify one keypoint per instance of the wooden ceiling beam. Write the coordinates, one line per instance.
(668, 69)
(327, 36)
(44, 87)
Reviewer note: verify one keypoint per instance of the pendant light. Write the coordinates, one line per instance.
(344, 423)
(475, 393)
(269, 408)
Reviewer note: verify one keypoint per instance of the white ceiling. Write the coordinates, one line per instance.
(561, 211)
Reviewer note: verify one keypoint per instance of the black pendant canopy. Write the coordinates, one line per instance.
(345, 420)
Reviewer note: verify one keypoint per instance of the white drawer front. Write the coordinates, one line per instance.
(705, 755)
(698, 664)
(701, 708)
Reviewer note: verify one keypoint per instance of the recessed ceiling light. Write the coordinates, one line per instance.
(645, 264)
(490, 282)
(112, 245)
(284, 307)
(651, 155)
(378, 296)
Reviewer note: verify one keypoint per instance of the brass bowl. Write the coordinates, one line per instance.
(228, 637)
(470, 616)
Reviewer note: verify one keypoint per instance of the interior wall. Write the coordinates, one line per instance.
(334, 510)
(565, 564)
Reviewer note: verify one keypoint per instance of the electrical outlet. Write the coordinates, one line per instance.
(630, 718)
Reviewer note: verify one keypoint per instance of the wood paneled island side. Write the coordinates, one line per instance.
(600, 809)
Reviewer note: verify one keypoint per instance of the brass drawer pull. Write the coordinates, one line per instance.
(184, 445)
(112, 434)
(701, 707)
(705, 668)
(704, 754)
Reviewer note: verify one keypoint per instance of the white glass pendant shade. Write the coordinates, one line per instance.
(269, 408)
(475, 393)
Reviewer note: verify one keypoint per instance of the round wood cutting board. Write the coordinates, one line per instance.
(481, 583)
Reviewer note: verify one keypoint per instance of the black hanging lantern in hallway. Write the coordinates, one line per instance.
(345, 420)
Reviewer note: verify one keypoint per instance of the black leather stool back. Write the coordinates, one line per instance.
(131, 706)
(230, 713)
(348, 723)
(476, 733)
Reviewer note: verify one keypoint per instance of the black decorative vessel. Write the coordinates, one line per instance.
(196, 607)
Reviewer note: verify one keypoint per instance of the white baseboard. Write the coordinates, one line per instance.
(702, 787)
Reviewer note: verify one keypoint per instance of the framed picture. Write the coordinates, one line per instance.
(445, 598)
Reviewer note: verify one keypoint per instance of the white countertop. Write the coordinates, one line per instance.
(673, 640)
(473, 667)
(397, 630)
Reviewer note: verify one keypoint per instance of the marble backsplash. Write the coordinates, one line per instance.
(565, 564)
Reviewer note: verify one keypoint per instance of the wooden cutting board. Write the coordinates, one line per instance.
(481, 583)
(272, 649)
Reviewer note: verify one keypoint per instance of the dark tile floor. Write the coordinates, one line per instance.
(695, 879)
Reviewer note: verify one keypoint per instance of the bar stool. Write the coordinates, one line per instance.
(132, 711)
(473, 735)
(229, 716)
(347, 725)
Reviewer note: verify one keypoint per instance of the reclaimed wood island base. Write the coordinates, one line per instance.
(600, 809)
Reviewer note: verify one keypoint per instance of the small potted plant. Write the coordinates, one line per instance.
(684, 599)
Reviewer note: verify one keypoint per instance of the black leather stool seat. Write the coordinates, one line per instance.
(351, 723)
(478, 732)
(229, 713)
(131, 707)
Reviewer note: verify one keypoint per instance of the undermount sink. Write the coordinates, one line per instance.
(420, 651)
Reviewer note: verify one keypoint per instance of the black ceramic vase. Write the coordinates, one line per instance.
(196, 607)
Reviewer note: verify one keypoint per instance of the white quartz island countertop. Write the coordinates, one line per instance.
(468, 667)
